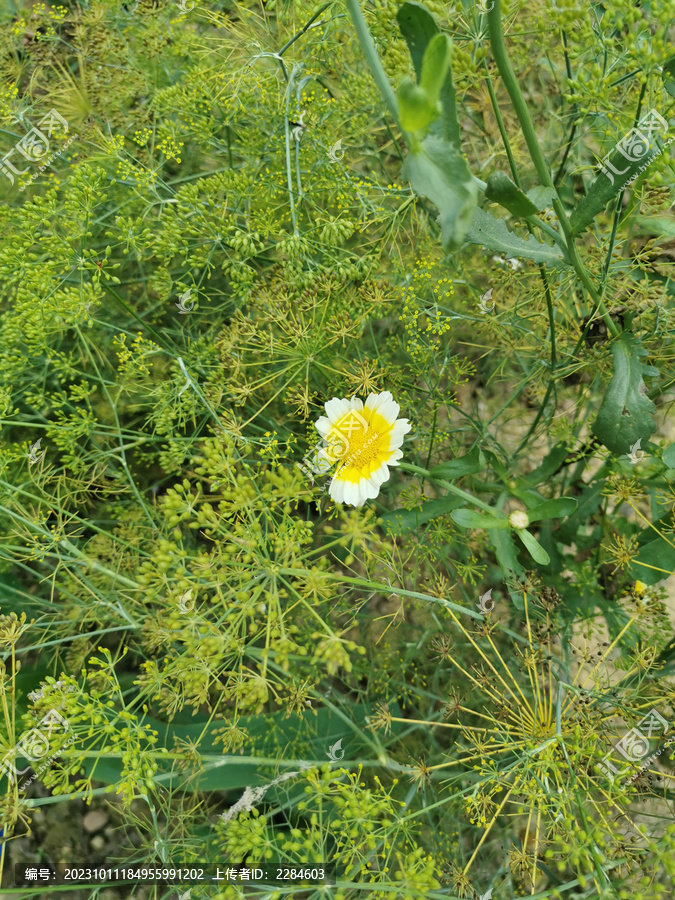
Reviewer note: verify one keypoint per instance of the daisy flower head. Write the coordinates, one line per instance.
(364, 440)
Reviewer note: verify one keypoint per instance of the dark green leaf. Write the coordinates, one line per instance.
(627, 414)
(438, 172)
(669, 456)
(467, 518)
(402, 520)
(534, 548)
(417, 27)
(655, 561)
(472, 462)
(500, 189)
(505, 551)
(605, 187)
(552, 509)
(668, 76)
(493, 234)
(549, 466)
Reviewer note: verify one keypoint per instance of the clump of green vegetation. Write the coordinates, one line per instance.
(217, 219)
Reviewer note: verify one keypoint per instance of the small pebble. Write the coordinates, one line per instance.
(94, 820)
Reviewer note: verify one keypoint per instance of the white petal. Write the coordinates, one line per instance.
(396, 454)
(337, 490)
(336, 408)
(323, 426)
(401, 428)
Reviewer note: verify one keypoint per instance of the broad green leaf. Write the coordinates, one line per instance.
(414, 110)
(400, 521)
(494, 235)
(542, 197)
(438, 172)
(436, 168)
(505, 551)
(605, 187)
(552, 509)
(435, 67)
(549, 466)
(500, 189)
(654, 561)
(417, 27)
(669, 456)
(627, 414)
(668, 76)
(467, 518)
(472, 462)
(533, 546)
(663, 227)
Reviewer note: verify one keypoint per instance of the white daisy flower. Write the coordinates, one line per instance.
(364, 440)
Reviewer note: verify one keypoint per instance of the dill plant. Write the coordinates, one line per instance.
(201, 614)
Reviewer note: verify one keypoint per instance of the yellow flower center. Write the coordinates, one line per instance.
(360, 441)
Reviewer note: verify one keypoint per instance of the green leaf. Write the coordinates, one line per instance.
(627, 414)
(417, 27)
(542, 197)
(549, 466)
(534, 548)
(669, 456)
(654, 561)
(435, 65)
(663, 227)
(400, 521)
(605, 187)
(552, 509)
(467, 518)
(668, 75)
(438, 172)
(436, 168)
(505, 551)
(472, 462)
(493, 234)
(500, 189)
(414, 110)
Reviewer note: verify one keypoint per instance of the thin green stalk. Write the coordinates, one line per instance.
(418, 470)
(527, 126)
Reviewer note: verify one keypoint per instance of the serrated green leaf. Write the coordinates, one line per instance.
(533, 546)
(435, 65)
(627, 414)
(542, 196)
(467, 518)
(552, 509)
(605, 187)
(500, 189)
(493, 234)
(439, 173)
(472, 462)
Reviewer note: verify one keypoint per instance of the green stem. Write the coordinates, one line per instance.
(372, 58)
(418, 470)
(527, 126)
